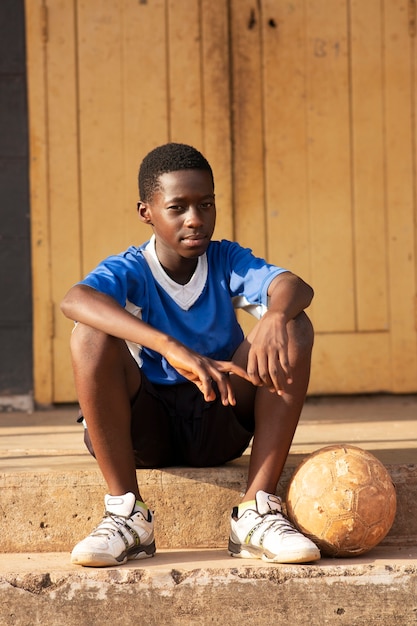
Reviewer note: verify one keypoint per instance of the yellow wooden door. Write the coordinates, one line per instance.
(325, 146)
(108, 81)
(149, 72)
(307, 117)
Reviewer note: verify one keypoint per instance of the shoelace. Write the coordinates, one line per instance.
(279, 524)
(110, 525)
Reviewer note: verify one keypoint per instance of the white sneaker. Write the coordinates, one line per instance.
(264, 533)
(121, 535)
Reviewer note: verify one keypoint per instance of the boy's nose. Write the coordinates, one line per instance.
(193, 216)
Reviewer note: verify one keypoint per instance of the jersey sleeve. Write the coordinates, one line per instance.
(249, 279)
(118, 276)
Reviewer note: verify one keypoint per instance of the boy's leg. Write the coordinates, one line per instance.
(106, 378)
(258, 527)
(276, 417)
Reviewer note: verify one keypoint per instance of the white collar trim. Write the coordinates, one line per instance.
(184, 295)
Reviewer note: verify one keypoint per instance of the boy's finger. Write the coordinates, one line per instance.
(207, 389)
(223, 384)
(228, 367)
(281, 380)
(225, 390)
(286, 367)
(239, 371)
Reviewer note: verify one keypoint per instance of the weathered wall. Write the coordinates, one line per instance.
(15, 257)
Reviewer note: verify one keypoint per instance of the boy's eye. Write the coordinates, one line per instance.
(180, 207)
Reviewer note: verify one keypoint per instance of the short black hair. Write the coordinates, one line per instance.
(170, 157)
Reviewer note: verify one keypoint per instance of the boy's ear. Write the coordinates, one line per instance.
(144, 213)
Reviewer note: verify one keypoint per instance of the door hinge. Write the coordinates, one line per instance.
(44, 23)
(412, 17)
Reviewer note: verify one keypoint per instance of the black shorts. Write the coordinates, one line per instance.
(174, 425)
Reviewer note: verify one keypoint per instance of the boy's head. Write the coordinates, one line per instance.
(170, 157)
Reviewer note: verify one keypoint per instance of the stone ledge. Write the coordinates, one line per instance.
(51, 511)
(190, 588)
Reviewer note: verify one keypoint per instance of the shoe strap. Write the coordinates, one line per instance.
(267, 503)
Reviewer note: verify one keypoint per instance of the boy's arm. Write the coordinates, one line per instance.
(289, 294)
(98, 310)
(268, 362)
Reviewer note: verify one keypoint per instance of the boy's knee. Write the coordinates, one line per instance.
(301, 333)
(87, 341)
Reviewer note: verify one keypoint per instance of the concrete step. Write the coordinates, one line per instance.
(52, 491)
(52, 495)
(51, 511)
(206, 587)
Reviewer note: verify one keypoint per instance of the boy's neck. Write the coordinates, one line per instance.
(179, 269)
(183, 273)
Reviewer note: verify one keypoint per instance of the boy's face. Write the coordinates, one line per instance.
(182, 213)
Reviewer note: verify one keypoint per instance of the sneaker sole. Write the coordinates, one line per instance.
(253, 552)
(92, 559)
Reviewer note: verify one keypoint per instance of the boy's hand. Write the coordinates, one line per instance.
(203, 371)
(268, 362)
(268, 359)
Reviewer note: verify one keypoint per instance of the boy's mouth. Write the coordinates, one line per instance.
(193, 241)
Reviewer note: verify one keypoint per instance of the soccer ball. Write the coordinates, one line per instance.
(343, 499)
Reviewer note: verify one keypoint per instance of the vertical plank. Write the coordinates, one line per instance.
(413, 51)
(329, 166)
(287, 216)
(247, 132)
(400, 199)
(64, 183)
(101, 130)
(35, 14)
(184, 61)
(368, 166)
(413, 63)
(145, 97)
(217, 141)
(248, 148)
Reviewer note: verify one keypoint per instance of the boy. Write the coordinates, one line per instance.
(164, 375)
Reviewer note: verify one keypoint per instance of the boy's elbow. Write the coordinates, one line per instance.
(64, 306)
(310, 293)
(305, 290)
(67, 303)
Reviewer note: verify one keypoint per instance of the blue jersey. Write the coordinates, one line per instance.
(200, 314)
